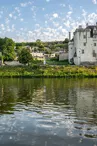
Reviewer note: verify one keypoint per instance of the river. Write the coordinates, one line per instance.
(48, 112)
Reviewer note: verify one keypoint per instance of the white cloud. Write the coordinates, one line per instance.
(21, 19)
(30, 2)
(1, 12)
(64, 31)
(91, 18)
(45, 22)
(67, 23)
(21, 29)
(84, 14)
(8, 29)
(62, 5)
(7, 21)
(69, 13)
(55, 15)
(37, 25)
(14, 17)
(33, 9)
(47, 0)
(56, 24)
(13, 27)
(43, 9)
(10, 15)
(17, 9)
(94, 2)
(70, 8)
(2, 27)
(23, 4)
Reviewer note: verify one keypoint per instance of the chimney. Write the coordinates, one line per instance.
(69, 36)
(86, 24)
(96, 24)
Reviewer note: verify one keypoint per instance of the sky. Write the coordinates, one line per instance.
(47, 20)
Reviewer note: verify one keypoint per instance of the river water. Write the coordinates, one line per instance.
(48, 112)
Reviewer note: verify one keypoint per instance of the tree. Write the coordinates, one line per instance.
(40, 45)
(18, 49)
(66, 40)
(25, 56)
(7, 46)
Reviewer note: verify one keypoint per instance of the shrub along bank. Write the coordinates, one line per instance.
(48, 71)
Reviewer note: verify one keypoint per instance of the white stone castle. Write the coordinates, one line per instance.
(83, 46)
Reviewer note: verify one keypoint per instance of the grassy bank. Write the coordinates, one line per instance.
(48, 71)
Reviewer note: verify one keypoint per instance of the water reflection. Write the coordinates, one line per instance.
(49, 110)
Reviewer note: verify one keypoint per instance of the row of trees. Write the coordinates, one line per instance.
(46, 47)
(41, 44)
(8, 52)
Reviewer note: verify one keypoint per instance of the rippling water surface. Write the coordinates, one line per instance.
(48, 112)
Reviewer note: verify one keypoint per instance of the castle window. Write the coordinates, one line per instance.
(94, 54)
(94, 44)
(82, 51)
(84, 44)
(75, 55)
(84, 36)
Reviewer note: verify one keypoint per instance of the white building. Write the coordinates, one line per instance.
(37, 55)
(83, 46)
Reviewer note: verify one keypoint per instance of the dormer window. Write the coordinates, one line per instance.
(95, 31)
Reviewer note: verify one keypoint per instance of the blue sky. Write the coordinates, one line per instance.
(48, 20)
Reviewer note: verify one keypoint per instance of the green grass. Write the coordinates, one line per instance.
(56, 62)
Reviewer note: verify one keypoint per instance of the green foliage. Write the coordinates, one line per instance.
(18, 49)
(53, 46)
(25, 56)
(40, 45)
(49, 71)
(7, 48)
(59, 45)
(47, 51)
(55, 61)
(66, 40)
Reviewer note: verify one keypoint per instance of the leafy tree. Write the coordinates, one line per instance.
(66, 47)
(52, 47)
(25, 56)
(66, 40)
(18, 49)
(7, 46)
(40, 44)
(47, 51)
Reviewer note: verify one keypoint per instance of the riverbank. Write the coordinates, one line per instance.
(48, 71)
